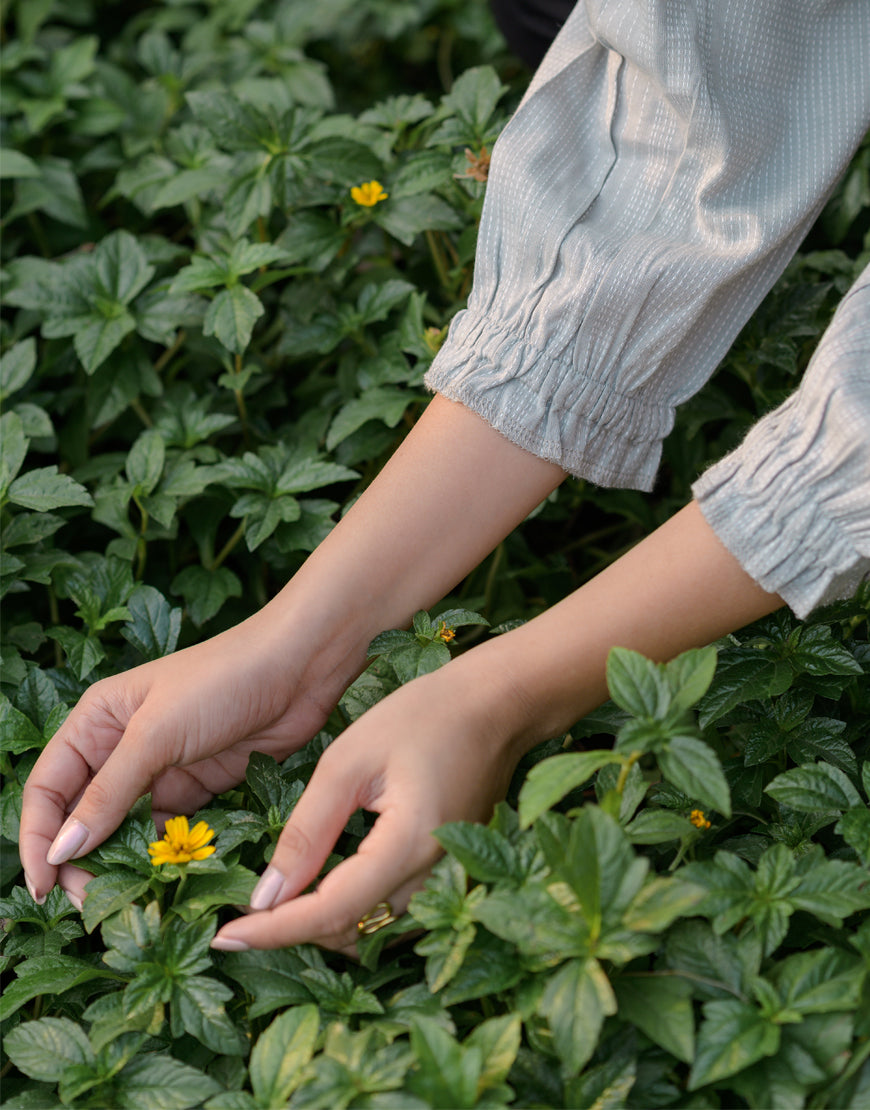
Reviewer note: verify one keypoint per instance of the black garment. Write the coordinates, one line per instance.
(530, 25)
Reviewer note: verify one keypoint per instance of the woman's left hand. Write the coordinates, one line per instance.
(430, 753)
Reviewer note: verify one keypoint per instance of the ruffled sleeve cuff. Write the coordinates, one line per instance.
(792, 503)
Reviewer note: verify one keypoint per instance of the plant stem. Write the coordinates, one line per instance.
(626, 767)
(170, 351)
(228, 546)
(439, 260)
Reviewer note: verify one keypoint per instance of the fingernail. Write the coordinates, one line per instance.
(68, 841)
(267, 889)
(229, 944)
(31, 890)
(74, 900)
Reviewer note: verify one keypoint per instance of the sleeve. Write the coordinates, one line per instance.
(792, 503)
(664, 165)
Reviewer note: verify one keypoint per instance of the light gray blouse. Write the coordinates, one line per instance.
(662, 168)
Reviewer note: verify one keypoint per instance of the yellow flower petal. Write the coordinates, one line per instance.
(368, 194)
(180, 843)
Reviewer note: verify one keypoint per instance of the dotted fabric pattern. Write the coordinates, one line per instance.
(663, 167)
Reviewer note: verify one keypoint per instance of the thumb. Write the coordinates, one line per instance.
(124, 777)
(310, 834)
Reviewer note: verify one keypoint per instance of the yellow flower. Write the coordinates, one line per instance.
(446, 634)
(181, 843)
(698, 819)
(369, 193)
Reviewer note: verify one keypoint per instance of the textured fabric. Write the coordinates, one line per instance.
(793, 501)
(662, 168)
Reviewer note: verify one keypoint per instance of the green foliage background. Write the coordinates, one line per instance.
(208, 351)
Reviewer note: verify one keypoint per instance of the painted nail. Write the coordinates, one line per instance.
(31, 890)
(229, 944)
(267, 889)
(74, 900)
(68, 841)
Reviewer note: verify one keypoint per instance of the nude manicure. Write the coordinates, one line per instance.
(74, 900)
(267, 889)
(67, 842)
(229, 944)
(31, 890)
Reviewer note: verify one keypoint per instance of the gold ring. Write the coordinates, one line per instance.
(375, 919)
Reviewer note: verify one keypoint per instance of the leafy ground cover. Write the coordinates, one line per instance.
(234, 235)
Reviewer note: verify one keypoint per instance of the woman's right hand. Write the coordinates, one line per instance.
(182, 727)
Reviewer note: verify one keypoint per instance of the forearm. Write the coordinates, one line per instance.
(679, 588)
(452, 491)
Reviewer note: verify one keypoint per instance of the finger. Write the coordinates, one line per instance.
(124, 776)
(392, 862)
(316, 823)
(73, 880)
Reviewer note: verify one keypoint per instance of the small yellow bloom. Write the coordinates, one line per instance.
(446, 634)
(368, 194)
(181, 843)
(698, 819)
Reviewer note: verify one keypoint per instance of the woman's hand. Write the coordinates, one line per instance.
(432, 752)
(182, 727)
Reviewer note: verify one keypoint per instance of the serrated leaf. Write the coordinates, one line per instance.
(185, 185)
(154, 626)
(636, 683)
(690, 675)
(575, 1003)
(47, 975)
(44, 488)
(551, 779)
(385, 404)
(822, 786)
(281, 1053)
(43, 1049)
(231, 317)
(484, 853)
(273, 977)
(660, 1006)
(160, 1082)
(854, 827)
(145, 461)
(657, 826)
(121, 266)
(692, 766)
(16, 367)
(198, 1008)
(205, 591)
(106, 894)
(498, 1040)
(732, 1036)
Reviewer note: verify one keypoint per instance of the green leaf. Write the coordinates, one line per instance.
(231, 317)
(106, 894)
(160, 1082)
(281, 1053)
(444, 950)
(692, 766)
(145, 461)
(660, 902)
(221, 888)
(123, 271)
(83, 652)
(15, 164)
(485, 853)
(854, 827)
(186, 185)
(386, 404)
(407, 217)
(823, 981)
(690, 675)
(198, 1009)
(17, 732)
(732, 1036)
(657, 826)
(47, 975)
(445, 1076)
(97, 336)
(551, 779)
(16, 367)
(576, 1001)
(474, 96)
(154, 626)
(637, 684)
(498, 1040)
(660, 1005)
(43, 1049)
(44, 488)
(205, 591)
(822, 786)
(273, 977)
